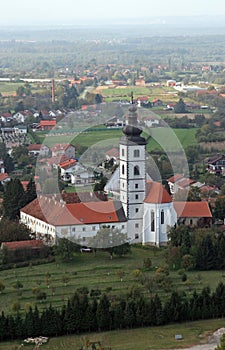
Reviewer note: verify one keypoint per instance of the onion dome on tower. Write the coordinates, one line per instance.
(131, 131)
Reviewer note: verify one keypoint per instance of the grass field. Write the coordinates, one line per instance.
(9, 87)
(98, 272)
(157, 338)
(162, 138)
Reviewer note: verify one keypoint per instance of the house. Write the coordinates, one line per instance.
(20, 130)
(82, 176)
(37, 149)
(151, 121)
(140, 82)
(216, 164)
(179, 182)
(67, 168)
(61, 149)
(4, 178)
(46, 125)
(193, 213)
(157, 103)
(112, 154)
(171, 82)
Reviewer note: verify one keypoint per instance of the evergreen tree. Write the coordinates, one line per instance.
(205, 256)
(180, 106)
(103, 314)
(30, 193)
(13, 199)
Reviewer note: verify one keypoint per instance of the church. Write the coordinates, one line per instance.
(143, 209)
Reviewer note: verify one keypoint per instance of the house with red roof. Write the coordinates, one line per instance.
(36, 149)
(4, 178)
(193, 213)
(46, 125)
(179, 182)
(61, 149)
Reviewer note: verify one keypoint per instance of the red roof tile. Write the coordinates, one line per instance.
(48, 122)
(68, 164)
(34, 147)
(175, 178)
(4, 176)
(59, 214)
(156, 193)
(192, 209)
(33, 244)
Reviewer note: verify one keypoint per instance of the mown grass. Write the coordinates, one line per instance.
(142, 339)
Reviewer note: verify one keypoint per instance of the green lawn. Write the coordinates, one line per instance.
(170, 139)
(142, 339)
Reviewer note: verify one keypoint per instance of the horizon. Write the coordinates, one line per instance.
(48, 12)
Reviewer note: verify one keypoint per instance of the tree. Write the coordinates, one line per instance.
(180, 106)
(205, 254)
(111, 240)
(219, 211)
(13, 199)
(30, 193)
(13, 231)
(65, 249)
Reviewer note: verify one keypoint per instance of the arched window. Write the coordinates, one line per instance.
(162, 217)
(123, 171)
(136, 170)
(136, 153)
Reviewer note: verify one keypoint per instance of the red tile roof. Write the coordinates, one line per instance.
(33, 244)
(60, 147)
(60, 214)
(192, 209)
(156, 193)
(67, 164)
(48, 122)
(4, 176)
(175, 178)
(185, 182)
(113, 152)
(34, 147)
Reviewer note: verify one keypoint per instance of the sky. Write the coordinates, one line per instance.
(22, 12)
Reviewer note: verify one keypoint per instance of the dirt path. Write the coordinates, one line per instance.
(213, 341)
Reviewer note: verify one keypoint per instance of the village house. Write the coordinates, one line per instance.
(38, 149)
(193, 214)
(216, 164)
(63, 149)
(46, 125)
(4, 178)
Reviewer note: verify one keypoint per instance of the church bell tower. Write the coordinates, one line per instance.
(133, 175)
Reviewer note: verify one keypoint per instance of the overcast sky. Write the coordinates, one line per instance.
(69, 11)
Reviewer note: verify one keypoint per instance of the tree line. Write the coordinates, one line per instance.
(85, 314)
(196, 249)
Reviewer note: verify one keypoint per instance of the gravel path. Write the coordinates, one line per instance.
(213, 341)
